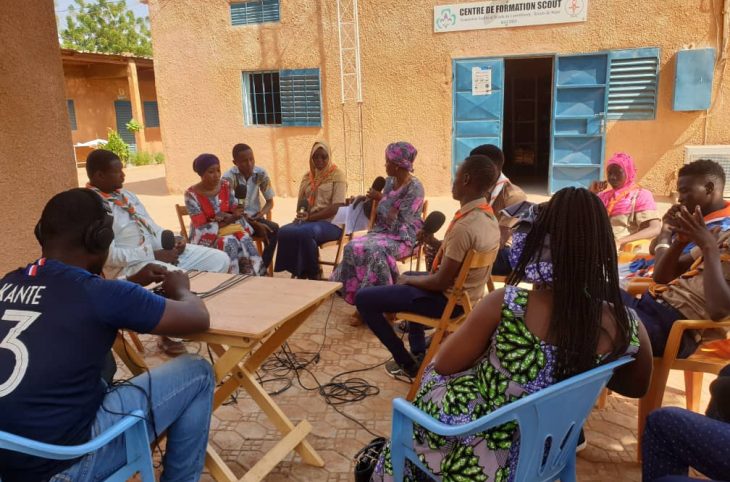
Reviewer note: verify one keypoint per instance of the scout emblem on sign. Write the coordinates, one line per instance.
(574, 7)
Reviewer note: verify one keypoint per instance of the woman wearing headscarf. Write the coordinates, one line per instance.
(372, 260)
(631, 209)
(321, 193)
(215, 219)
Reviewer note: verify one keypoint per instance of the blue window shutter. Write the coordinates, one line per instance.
(694, 73)
(301, 103)
(633, 84)
(71, 113)
(151, 115)
(254, 11)
(123, 112)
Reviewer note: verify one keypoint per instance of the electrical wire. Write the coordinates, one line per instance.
(285, 365)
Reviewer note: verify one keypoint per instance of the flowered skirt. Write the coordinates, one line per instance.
(370, 260)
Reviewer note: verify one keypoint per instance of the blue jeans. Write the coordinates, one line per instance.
(299, 247)
(676, 439)
(181, 398)
(658, 319)
(373, 301)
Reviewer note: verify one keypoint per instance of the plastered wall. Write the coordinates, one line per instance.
(94, 97)
(407, 88)
(36, 159)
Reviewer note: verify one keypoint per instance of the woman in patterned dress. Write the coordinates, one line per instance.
(216, 221)
(517, 342)
(372, 260)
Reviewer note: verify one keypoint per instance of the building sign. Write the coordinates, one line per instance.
(507, 13)
(481, 81)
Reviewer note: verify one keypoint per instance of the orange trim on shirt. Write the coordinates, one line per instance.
(484, 207)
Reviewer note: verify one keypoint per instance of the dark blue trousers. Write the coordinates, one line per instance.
(658, 319)
(676, 439)
(299, 247)
(502, 266)
(374, 301)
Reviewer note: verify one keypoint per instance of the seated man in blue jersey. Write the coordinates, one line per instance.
(58, 320)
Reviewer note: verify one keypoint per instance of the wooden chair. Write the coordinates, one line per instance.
(371, 222)
(447, 324)
(182, 211)
(340, 243)
(697, 364)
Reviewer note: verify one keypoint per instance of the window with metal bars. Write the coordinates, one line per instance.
(633, 84)
(151, 114)
(286, 98)
(71, 113)
(254, 11)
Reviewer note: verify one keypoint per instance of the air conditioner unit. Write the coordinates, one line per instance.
(719, 154)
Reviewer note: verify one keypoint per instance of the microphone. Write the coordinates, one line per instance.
(433, 222)
(167, 239)
(240, 193)
(378, 185)
(302, 208)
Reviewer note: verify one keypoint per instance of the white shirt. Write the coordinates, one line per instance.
(132, 243)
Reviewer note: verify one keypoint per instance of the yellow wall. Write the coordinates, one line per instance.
(407, 88)
(94, 94)
(35, 140)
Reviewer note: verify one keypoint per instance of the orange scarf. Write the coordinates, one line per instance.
(616, 199)
(119, 199)
(722, 213)
(316, 181)
(484, 207)
(657, 289)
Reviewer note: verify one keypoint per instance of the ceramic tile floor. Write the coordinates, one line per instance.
(242, 433)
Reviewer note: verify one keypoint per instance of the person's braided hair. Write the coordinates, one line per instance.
(585, 277)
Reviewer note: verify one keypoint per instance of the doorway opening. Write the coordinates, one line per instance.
(527, 112)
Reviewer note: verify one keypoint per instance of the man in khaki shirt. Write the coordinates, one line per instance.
(503, 193)
(694, 284)
(474, 227)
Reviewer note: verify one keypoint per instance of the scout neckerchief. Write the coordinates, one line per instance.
(484, 207)
(119, 199)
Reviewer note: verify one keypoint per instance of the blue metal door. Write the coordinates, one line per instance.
(579, 120)
(123, 112)
(478, 107)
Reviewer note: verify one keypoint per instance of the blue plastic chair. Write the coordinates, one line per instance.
(134, 428)
(554, 414)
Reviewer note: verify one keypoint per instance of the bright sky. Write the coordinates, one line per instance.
(138, 8)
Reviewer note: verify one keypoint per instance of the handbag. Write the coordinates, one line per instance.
(366, 459)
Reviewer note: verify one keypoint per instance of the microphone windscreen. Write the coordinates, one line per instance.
(167, 239)
(379, 183)
(302, 205)
(240, 191)
(433, 222)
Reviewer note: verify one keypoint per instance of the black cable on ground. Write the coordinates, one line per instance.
(282, 364)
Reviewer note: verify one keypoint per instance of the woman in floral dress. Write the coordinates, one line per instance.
(517, 342)
(372, 260)
(216, 221)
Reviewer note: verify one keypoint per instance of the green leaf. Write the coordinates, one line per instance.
(106, 27)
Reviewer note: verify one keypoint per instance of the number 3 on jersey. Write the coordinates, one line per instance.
(16, 347)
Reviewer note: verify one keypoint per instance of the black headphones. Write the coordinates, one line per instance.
(99, 234)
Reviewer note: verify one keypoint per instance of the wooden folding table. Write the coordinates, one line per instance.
(249, 322)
